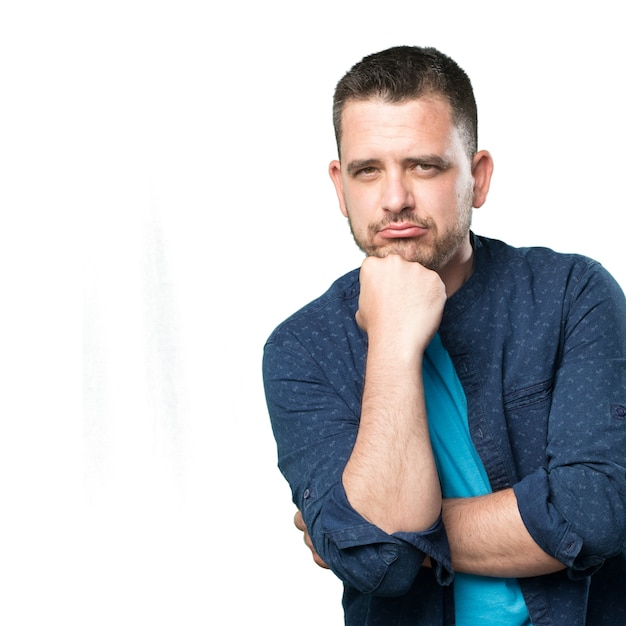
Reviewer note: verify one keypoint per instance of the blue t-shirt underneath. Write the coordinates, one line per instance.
(478, 599)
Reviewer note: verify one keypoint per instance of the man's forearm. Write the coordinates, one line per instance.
(487, 537)
(391, 478)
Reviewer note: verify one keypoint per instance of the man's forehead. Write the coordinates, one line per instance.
(377, 119)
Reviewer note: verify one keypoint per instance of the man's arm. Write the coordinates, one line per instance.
(391, 478)
(488, 537)
(314, 372)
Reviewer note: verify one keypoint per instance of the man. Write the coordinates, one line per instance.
(451, 417)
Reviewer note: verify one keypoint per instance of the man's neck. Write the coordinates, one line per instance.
(457, 271)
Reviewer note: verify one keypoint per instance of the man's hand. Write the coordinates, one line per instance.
(400, 303)
(300, 525)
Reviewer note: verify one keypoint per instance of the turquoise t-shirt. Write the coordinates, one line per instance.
(478, 599)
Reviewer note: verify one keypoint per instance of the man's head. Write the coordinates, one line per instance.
(409, 172)
(406, 73)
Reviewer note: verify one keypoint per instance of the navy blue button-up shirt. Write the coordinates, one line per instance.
(538, 340)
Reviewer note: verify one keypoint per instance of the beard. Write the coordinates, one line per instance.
(434, 254)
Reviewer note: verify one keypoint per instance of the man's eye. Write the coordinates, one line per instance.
(426, 169)
(366, 171)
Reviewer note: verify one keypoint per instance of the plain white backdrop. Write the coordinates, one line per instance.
(167, 161)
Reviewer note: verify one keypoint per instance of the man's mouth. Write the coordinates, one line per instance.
(401, 230)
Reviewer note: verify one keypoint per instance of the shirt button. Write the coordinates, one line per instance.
(306, 494)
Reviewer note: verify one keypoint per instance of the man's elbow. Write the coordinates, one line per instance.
(384, 569)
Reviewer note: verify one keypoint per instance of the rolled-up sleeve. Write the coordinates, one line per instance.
(575, 507)
(315, 422)
(369, 559)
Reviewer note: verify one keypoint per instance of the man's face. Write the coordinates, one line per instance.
(405, 181)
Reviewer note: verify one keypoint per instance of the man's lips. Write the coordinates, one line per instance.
(401, 231)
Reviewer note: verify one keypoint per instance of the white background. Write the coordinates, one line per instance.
(167, 161)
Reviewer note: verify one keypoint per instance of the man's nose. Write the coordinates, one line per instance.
(397, 194)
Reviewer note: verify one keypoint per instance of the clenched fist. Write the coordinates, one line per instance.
(401, 302)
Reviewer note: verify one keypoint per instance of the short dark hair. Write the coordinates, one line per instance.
(405, 73)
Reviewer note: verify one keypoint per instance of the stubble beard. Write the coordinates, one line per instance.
(435, 256)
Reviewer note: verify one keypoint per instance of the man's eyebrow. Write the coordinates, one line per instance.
(428, 159)
(359, 164)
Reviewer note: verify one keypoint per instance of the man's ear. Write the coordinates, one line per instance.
(482, 169)
(334, 169)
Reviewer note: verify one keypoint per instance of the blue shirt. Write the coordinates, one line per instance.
(538, 341)
(482, 600)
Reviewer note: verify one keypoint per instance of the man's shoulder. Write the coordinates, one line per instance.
(518, 272)
(336, 306)
(493, 252)
(497, 250)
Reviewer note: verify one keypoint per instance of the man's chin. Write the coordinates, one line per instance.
(409, 251)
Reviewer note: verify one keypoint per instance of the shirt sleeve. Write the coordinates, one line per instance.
(315, 428)
(575, 507)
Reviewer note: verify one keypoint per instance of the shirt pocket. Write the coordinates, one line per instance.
(527, 412)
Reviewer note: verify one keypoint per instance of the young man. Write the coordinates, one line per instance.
(451, 417)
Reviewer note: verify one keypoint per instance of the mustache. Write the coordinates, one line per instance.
(406, 216)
